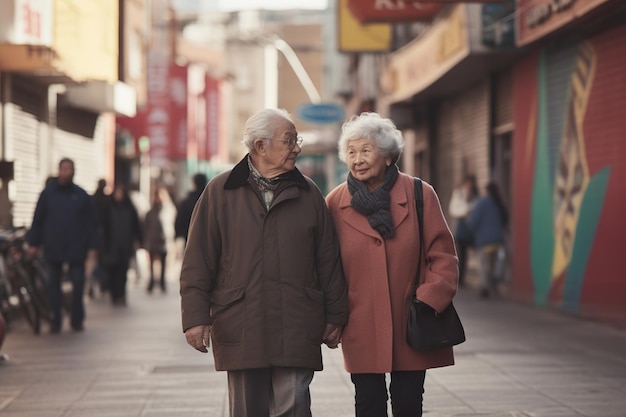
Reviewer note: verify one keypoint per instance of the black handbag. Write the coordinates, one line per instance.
(427, 329)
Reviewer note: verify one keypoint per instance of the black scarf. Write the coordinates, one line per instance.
(375, 204)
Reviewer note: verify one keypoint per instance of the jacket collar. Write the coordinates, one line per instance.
(240, 174)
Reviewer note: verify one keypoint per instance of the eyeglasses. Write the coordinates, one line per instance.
(291, 142)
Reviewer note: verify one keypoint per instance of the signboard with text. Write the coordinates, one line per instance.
(368, 11)
(538, 18)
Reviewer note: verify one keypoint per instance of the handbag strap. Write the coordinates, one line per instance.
(419, 205)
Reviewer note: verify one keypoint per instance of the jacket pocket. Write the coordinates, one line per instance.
(227, 315)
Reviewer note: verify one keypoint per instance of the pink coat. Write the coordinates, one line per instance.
(380, 276)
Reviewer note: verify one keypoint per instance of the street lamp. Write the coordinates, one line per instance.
(298, 68)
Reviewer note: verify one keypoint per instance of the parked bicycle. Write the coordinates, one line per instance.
(22, 281)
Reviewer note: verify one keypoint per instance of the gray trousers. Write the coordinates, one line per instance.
(270, 392)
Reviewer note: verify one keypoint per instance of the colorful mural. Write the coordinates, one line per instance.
(567, 199)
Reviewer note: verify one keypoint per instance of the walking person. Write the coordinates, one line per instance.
(261, 276)
(183, 215)
(97, 276)
(65, 226)
(488, 223)
(154, 241)
(122, 236)
(463, 199)
(376, 219)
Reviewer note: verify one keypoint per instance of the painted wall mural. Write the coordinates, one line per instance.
(569, 175)
(562, 177)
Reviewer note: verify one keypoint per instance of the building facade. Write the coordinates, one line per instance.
(59, 94)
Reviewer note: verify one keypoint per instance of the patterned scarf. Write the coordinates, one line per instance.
(375, 204)
(267, 186)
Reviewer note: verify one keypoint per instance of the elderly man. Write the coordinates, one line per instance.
(261, 275)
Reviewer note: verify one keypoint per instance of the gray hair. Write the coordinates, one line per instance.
(372, 126)
(263, 125)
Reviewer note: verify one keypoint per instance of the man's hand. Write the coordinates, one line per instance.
(199, 337)
(332, 335)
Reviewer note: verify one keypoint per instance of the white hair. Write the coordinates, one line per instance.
(372, 126)
(263, 125)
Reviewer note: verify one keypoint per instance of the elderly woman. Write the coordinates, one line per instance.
(376, 220)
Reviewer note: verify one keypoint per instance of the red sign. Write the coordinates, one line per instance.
(370, 11)
(157, 117)
(177, 143)
(164, 120)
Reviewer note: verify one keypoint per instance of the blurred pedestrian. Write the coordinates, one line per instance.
(183, 216)
(96, 275)
(488, 222)
(154, 240)
(65, 225)
(261, 275)
(122, 237)
(376, 219)
(463, 199)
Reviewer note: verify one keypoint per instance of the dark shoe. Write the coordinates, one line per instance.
(55, 329)
(149, 289)
(163, 286)
(484, 293)
(78, 327)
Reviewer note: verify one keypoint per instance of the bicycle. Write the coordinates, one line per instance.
(17, 280)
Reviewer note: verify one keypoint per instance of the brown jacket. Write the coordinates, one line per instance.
(380, 275)
(266, 281)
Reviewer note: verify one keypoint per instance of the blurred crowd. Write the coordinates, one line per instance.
(94, 241)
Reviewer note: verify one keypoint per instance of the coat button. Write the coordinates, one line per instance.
(262, 215)
(378, 242)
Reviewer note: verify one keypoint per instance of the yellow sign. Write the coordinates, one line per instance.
(357, 37)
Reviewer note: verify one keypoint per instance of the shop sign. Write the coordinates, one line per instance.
(417, 66)
(538, 18)
(26, 22)
(321, 113)
(369, 11)
(354, 36)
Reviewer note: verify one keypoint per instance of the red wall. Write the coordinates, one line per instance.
(604, 127)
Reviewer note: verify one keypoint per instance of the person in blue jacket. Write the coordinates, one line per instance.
(65, 227)
(488, 221)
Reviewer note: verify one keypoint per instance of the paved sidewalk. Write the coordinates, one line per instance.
(518, 361)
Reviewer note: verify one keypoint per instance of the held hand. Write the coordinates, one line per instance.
(199, 337)
(32, 250)
(332, 335)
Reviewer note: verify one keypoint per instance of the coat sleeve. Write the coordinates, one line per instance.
(329, 268)
(440, 276)
(34, 237)
(200, 263)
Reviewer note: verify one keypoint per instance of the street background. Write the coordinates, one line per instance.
(518, 361)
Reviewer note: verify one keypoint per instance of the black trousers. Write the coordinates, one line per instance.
(406, 390)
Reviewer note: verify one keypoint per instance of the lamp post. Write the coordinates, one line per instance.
(273, 45)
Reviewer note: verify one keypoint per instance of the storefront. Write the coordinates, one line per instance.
(447, 91)
(568, 147)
